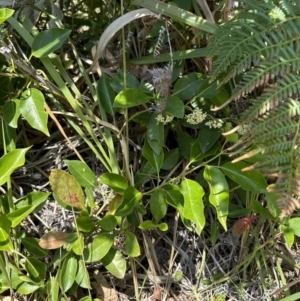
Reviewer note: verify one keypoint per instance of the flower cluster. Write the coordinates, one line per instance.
(164, 119)
(197, 116)
(244, 129)
(215, 123)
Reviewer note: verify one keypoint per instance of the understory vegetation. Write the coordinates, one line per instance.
(149, 150)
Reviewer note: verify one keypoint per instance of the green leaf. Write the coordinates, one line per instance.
(32, 246)
(49, 41)
(5, 225)
(116, 182)
(85, 223)
(117, 82)
(11, 112)
(193, 203)
(158, 205)
(53, 289)
(130, 97)
(130, 198)
(36, 269)
(170, 159)
(82, 276)
(66, 188)
(106, 94)
(149, 225)
(68, 272)
(155, 132)
(32, 109)
(219, 192)
(175, 107)
(288, 236)
(5, 13)
(82, 173)
(187, 86)
(174, 198)
(115, 263)
(98, 248)
(207, 138)
(17, 216)
(10, 162)
(248, 180)
(78, 245)
(21, 286)
(155, 160)
(132, 246)
(294, 225)
(185, 143)
(35, 199)
(108, 223)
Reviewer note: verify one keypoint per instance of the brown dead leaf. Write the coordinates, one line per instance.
(105, 292)
(53, 240)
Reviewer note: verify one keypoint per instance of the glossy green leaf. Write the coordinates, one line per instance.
(11, 112)
(208, 137)
(193, 203)
(17, 216)
(82, 173)
(53, 289)
(185, 143)
(21, 283)
(187, 86)
(68, 272)
(117, 82)
(294, 225)
(82, 276)
(89, 193)
(108, 223)
(85, 223)
(98, 248)
(170, 159)
(130, 97)
(5, 225)
(10, 162)
(155, 132)
(158, 204)
(115, 263)
(78, 245)
(36, 269)
(288, 236)
(5, 13)
(35, 199)
(49, 41)
(155, 160)
(32, 246)
(175, 107)
(219, 192)
(116, 182)
(130, 198)
(66, 188)
(132, 246)
(248, 180)
(106, 94)
(174, 198)
(32, 109)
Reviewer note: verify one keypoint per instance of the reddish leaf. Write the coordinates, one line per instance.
(241, 225)
(67, 188)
